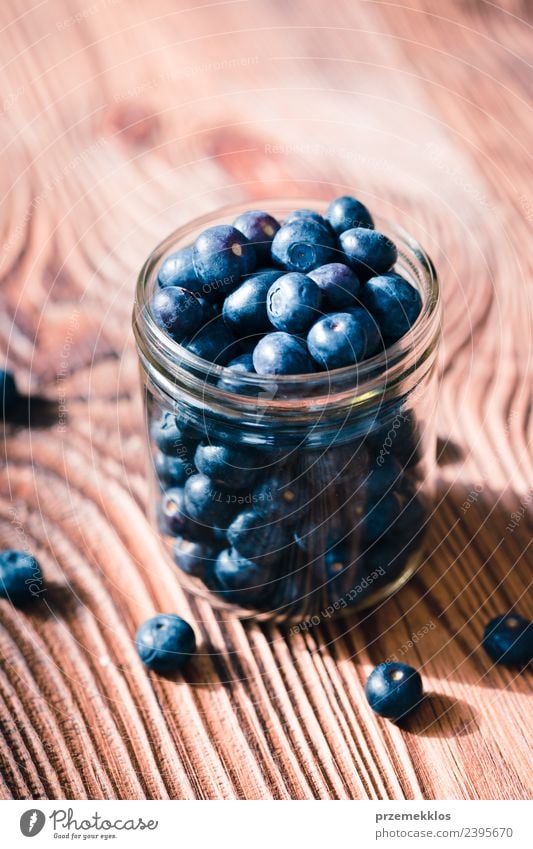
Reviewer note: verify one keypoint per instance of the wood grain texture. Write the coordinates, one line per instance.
(118, 122)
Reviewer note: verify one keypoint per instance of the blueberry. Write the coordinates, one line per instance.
(343, 338)
(8, 392)
(172, 471)
(245, 309)
(171, 438)
(178, 312)
(194, 558)
(394, 302)
(340, 286)
(165, 642)
(214, 343)
(338, 558)
(21, 579)
(243, 364)
(399, 437)
(393, 690)
(293, 302)
(240, 580)
(306, 213)
(380, 516)
(222, 255)
(508, 639)
(279, 497)
(178, 270)
(206, 504)
(345, 213)
(382, 479)
(282, 353)
(260, 228)
(367, 251)
(234, 467)
(303, 244)
(258, 539)
(172, 518)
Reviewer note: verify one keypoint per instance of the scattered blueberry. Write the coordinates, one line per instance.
(165, 642)
(8, 392)
(508, 639)
(367, 251)
(178, 270)
(394, 302)
(222, 255)
(260, 228)
(345, 213)
(303, 244)
(233, 467)
(393, 690)
(178, 312)
(21, 579)
(255, 538)
(172, 518)
(340, 286)
(293, 302)
(343, 338)
(194, 558)
(245, 309)
(282, 353)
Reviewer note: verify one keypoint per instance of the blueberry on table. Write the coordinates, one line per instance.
(178, 270)
(8, 392)
(394, 302)
(368, 252)
(172, 471)
(293, 302)
(339, 284)
(207, 504)
(346, 212)
(343, 338)
(165, 642)
(170, 437)
(222, 255)
(214, 343)
(508, 639)
(393, 690)
(240, 580)
(178, 312)
(235, 467)
(193, 558)
(245, 309)
(282, 353)
(257, 538)
(21, 579)
(172, 518)
(303, 244)
(260, 228)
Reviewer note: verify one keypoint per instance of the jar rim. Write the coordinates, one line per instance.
(178, 361)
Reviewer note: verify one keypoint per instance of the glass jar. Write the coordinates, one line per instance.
(326, 487)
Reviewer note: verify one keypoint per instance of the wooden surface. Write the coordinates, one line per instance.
(119, 120)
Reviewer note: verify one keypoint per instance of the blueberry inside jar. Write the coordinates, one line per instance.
(290, 405)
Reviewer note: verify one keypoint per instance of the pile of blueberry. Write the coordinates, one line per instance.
(310, 294)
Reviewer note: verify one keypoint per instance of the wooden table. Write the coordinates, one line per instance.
(121, 120)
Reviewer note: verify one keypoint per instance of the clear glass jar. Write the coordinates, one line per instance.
(333, 470)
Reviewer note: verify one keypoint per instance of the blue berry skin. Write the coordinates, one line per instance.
(508, 640)
(280, 498)
(8, 392)
(343, 338)
(171, 471)
(293, 303)
(240, 580)
(242, 364)
(258, 539)
(303, 244)
(178, 312)
(165, 642)
(193, 558)
(21, 578)
(282, 353)
(206, 504)
(368, 252)
(178, 270)
(346, 212)
(394, 302)
(171, 439)
(245, 309)
(394, 690)
(172, 518)
(340, 286)
(214, 343)
(306, 213)
(259, 228)
(222, 255)
(233, 467)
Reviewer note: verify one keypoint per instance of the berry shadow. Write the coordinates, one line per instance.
(441, 716)
(33, 411)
